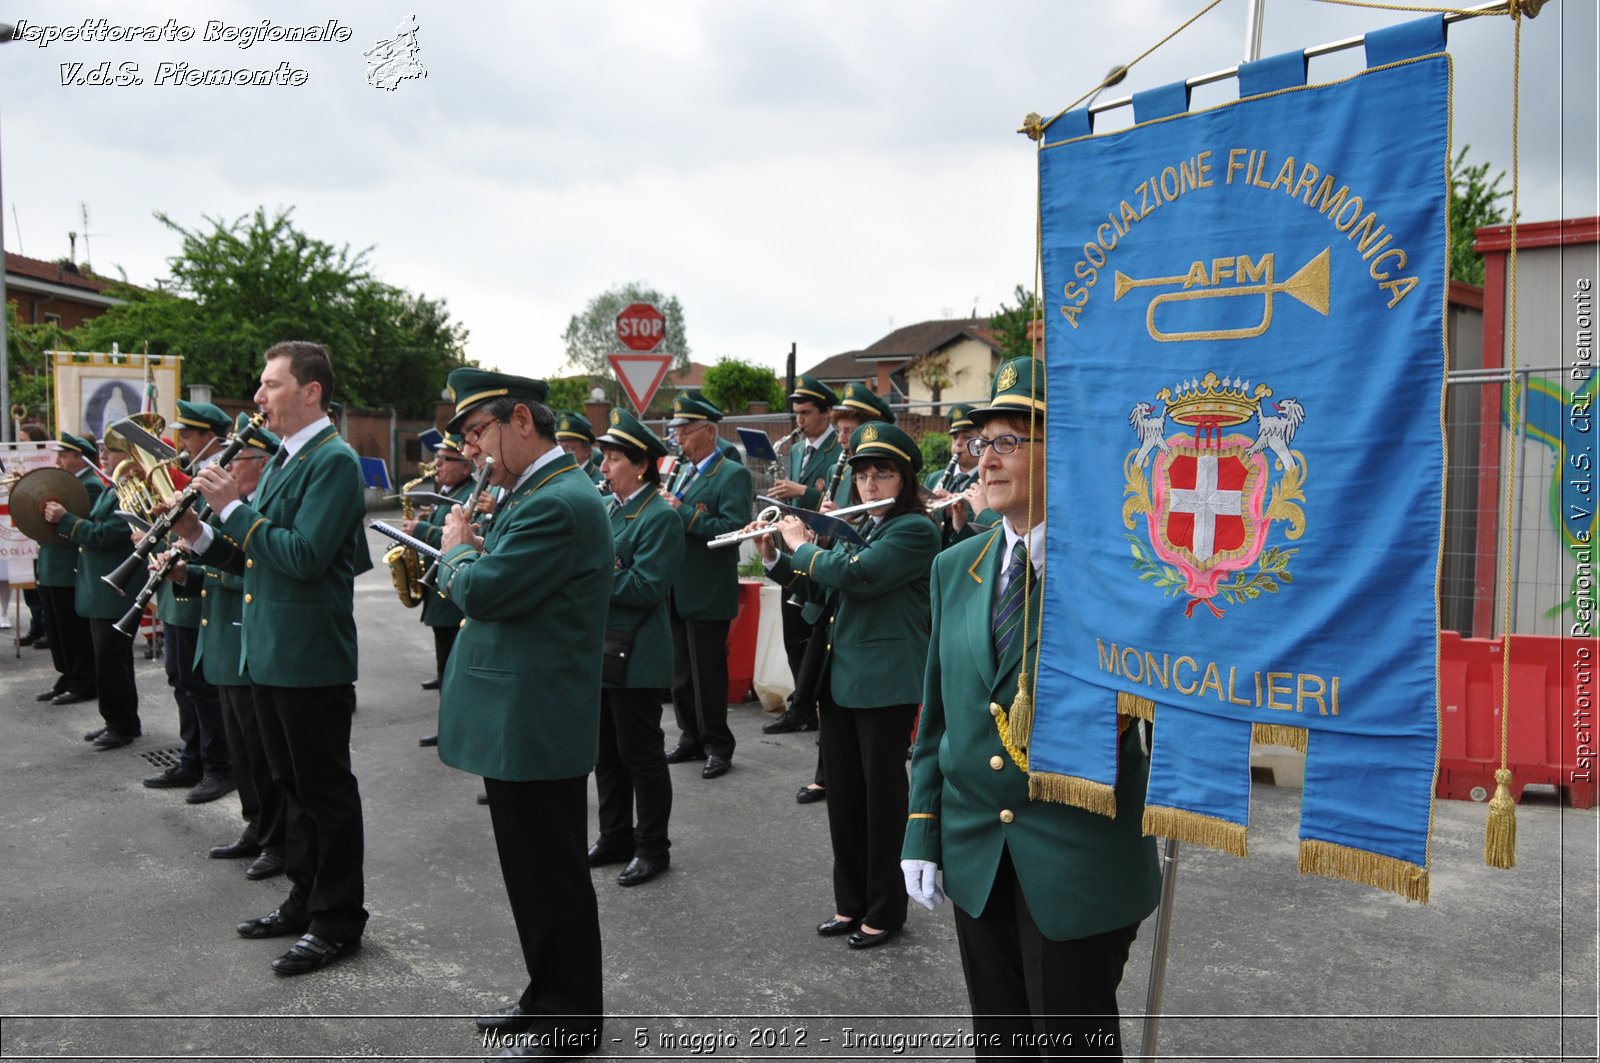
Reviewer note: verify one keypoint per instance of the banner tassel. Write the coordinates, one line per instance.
(1500, 843)
(1019, 721)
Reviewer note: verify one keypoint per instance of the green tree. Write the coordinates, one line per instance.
(31, 372)
(570, 393)
(592, 335)
(1010, 324)
(935, 447)
(1474, 203)
(238, 287)
(733, 384)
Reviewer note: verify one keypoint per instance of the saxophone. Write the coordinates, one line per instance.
(405, 568)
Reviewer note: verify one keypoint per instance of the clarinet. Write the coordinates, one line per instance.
(949, 470)
(684, 475)
(117, 580)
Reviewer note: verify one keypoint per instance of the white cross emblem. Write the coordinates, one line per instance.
(1207, 502)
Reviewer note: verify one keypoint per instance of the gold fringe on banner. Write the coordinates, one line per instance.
(1500, 843)
(1071, 790)
(1186, 826)
(1371, 869)
(1134, 705)
(1278, 734)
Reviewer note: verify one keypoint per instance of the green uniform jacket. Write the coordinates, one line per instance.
(649, 549)
(57, 565)
(300, 545)
(104, 542)
(817, 603)
(591, 468)
(521, 697)
(177, 609)
(437, 608)
(878, 634)
(718, 501)
(813, 474)
(960, 480)
(1082, 873)
(220, 596)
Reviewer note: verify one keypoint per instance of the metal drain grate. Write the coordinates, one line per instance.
(163, 758)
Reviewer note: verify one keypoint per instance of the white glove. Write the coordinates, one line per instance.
(922, 882)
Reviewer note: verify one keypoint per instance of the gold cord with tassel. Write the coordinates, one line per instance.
(1500, 839)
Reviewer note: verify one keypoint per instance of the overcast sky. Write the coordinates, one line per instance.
(811, 171)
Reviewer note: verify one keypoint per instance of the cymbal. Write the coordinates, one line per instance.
(30, 493)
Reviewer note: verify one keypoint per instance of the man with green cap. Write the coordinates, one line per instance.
(810, 460)
(71, 648)
(1048, 897)
(299, 544)
(521, 698)
(576, 436)
(204, 764)
(217, 655)
(101, 539)
(957, 476)
(452, 475)
(712, 497)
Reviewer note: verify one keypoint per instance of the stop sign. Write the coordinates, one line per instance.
(641, 327)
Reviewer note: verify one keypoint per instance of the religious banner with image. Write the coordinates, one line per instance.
(96, 389)
(1245, 346)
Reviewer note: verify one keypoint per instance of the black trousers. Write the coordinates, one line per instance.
(306, 733)
(700, 684)
(631, 770)
(1033, 996)
(808, 686)
(205, 739)
(114, 678)
(260, 801)
(796, 633)
(71, 645)
(864, 754)
(540, 830)
(444, 639)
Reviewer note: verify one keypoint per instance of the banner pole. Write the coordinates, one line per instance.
(1158, 954)
(1252, 30)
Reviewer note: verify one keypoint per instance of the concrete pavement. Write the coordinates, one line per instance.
(116, 934)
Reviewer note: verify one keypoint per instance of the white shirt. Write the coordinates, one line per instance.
(287, 449)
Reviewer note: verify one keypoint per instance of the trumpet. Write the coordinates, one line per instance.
(161, 526)
(772, 514)
(429, 578)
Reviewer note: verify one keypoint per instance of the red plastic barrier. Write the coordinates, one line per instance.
(742, 641)
(1552, 734)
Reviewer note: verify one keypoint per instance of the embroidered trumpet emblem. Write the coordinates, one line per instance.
(1210, 498)
(1230, 277)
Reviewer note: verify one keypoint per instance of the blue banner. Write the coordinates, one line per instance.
(1245, 346)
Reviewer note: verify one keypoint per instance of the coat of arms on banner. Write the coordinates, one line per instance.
(1212, 495)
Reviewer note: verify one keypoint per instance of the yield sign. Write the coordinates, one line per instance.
(641, 373)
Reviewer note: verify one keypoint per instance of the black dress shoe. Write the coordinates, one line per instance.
(483, 799)
(788, 723)
(810, 795)
(312, 953)
(716, 767)
(861, 940)
(509, 1019)
(41, 644)
(640, 869)
(834, 927)
(271, 925)
(428, 740)
(603, 852)
(27, 640)
(68, 697)
(245, 846)
(90, 736)
(680, 753)
(266, 865)
(211, 787)
(110, 739)
(432, 684)
(172, 777)
(48, 695)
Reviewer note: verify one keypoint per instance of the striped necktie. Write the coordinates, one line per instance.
(1008, 610)
(273, 466)
(616, 506)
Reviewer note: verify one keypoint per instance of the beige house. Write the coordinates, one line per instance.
(929, 362)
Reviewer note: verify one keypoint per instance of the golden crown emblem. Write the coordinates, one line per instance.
(566, 424)
(869, 434)
(616, 416)
(1006, 380)
(1213, 401)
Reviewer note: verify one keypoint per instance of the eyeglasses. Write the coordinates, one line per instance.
(877, 477)
(472, 435)
(1005, 444)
